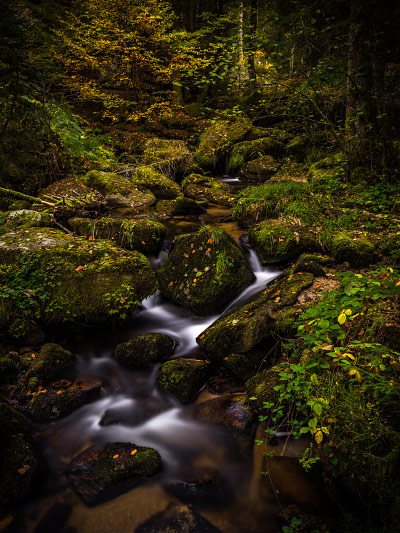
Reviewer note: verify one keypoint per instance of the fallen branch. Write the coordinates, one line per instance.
(22, 196)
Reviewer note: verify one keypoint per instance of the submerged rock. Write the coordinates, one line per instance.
(161, 186)
(204, 271)
(63, 397)
(144, 350)
(100, 469)
(177, 518)
(242, 330)
(357, 251)
(144, 235)
(22, 467)
(50, 362)
(205, 188)
(183, 378)
(117, 190)
(276, 242)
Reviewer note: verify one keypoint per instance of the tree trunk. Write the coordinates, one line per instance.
(241, 65)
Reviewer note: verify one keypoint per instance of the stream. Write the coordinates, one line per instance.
(133, 409)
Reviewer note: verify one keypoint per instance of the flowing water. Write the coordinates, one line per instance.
(133, 409)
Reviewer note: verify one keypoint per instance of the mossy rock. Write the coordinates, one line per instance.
(26, 332)
(61, 398)
(8, 369)
(100, 469)
(260, 169)
(183, 378)
(80, 280)
(276, 134)
(244, 366)
(180, 207)
(204, 271)
(297, 147)
(171, 157)
(308, 265)
(161, 186)
(357, 251)
(277, 243)
(205, 188)
(117, 190)
(72, 190)
(216, 141)
(143, 235)
(26, 218)
(15, 244)
(285, 326)
(260, 389)
(23, 470)
(242, 330)
(17, 205)
(50, 362)
(248, 150)
(144, 350)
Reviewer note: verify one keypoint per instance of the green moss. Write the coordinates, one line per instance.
(357, 251)
(26, 218)
(204, 271)
(15, 244)
(180, 206)
(50, 362)
(274, 242)
(285, 322)
(205, 188)
(247, 150)
(242, 330)
(216, 141)
(144, 235)
(297, 147)
(161, 186)
(144, 350)
(183, 378)
(260, 389)
(244, 366)
(260, 169)
(171, 157)
(275, 134)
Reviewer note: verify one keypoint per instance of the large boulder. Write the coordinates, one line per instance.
(51, 360)
(171, 157)
(276, 242)
(204, 271)
(275, 134)
(242, 330)
(248, 150)
(15, 244)
(161, 186)
(100, 469)
(144, 350)
(117, 190)
(62, 397)
(72, 190)
(260, 169)
(26, 218)
(358, 251)
(143, 235)
(216, 141)
(205, 188)
(183, 378)
(22, 467)
(179, 207)
(78, 280)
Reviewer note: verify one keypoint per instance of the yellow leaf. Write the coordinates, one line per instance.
(319, 436)
(342, 318)
(348, 312)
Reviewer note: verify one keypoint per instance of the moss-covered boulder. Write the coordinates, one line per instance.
(50, 362)
(310, 263)
(169, 156)
(216, 141)
(242, 330)
(22, 468)
(358, 251)
(276, 242)
(245, 365)
(183, 378)
(99, 469)
(15, 244)
(204, 271)
(26, 218)
(16, 205)
(259, 169)
(143, 235)
(249, 150)
(144, 350)
(73, 190)
(297, 147)
(62, 397)
(79, 280)
(26, 331)
(117, 190)
(260, 389)
(161, 186)
(180, 207)
(205, 188)
(277, 134)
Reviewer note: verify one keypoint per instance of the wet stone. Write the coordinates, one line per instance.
(144, 350)
(104, 471)
(50, 362)
(183, 378)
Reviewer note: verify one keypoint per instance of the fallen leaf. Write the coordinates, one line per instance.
(116, 456)
(133, 452)
(79, 268)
